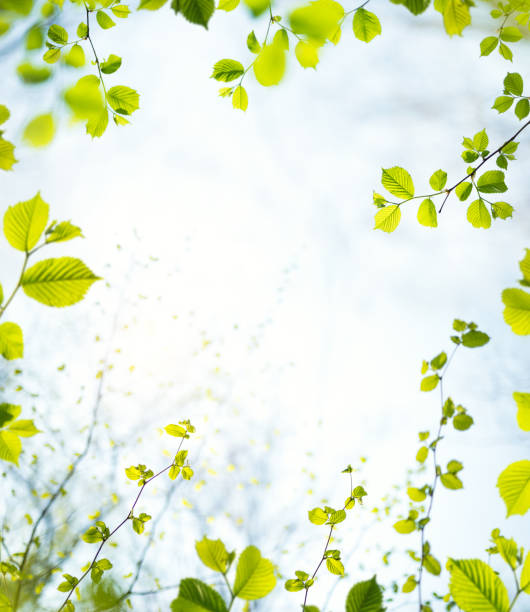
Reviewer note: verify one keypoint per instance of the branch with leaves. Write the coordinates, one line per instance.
(100, 533)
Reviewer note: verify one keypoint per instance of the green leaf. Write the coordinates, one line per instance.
(252, 43)
(254, 575)
(58, 282)
(196, 596)
(525, 575)
(511, 34)
(502, 103)
(366, 25)
(513, 83)
(514, 487)
(85, 99)
(40, 131)
(456, 17)
(111, 64)
(415, 494)
(508, 550)
(522, 401)
(317, 516)
(432, 565)
(438, 180)
(517, 310)
(416, 7)
(476, 588)
(82, 30)
(176, 430)
(429, 382)
(422, 454)
(76, 57)
(439, 361)
(24, 428)
(524, 264)
(474, 339)
(4, 114)
(104, 20)
(522, 108)
(388, 218)
(227, 70)
(488, 45)
(11, 341)
(58, 34)
(24, 223)
(8, 413)
(228, 5)
(450, 481)
(123, 99)
(97, 125)
(478, 215)
(151, 5)
(121, 11)
(480, 141)
(10, 446)
(454, 466)
(501, 210)
(269, 66)
(213, 554)
(409, 585)
(52, 55)
(398, 182)
(293, 585)
(61, 232)
(281, 39)
(195, 11)
(427, 214)
(34, 39)
(336, 517)
(335, 566)
(7, 154)
(365, 596)
(505, 52)
(240, 98)
(462, 421)
(306, 54)
(319, 20)
(405, 526)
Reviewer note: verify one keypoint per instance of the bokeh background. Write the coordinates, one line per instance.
(244, 288)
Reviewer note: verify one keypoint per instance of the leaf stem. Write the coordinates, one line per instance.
(18, 285)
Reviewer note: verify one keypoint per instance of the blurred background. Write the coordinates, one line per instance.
(245, 289)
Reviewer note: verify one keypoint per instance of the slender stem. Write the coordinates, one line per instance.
(318, 566)
(435, 481)
(18, 285)
(471, 174)
(119, 526)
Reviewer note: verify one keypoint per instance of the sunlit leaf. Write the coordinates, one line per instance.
(254, 575)
(476, 588)
(514, 487)
(24, 223)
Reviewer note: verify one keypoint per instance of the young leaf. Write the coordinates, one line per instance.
(111, 64)
(501, 210)
(58, 34)
(10, 446)
(475, 586)
(517, 310)
(388, 218)
(514, 487)
(513, 83)
(456, 17)
(40, 131)
(488, 45)
(195, 595)
(492, 181)
(240, 98)
(365, 596)
(522, 401)
(254, 575)
(427, 213)
(366, 25)
(213, 554)
(429, 382)
(61, 232)
(123, 99)
(335, 566)
(228, 5)
(502, 103)
(227, 70)
(474, 339)
(405, 526)
(307, 54)
(104, 20)
(58, 282)
(7, 154)
(478, 215)
(398, 182)
(76, 57)
(195, 11)
(24, 223)
(522, 108)
(269, 66)
(438, 180)
(317, 516)
(511, 34)
(252, 43)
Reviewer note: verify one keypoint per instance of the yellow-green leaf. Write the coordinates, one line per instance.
(58, 282)
(269, 66)
(76, 57)
(523, 409)
(10, 446)
(11, 341)
(514, 487)
(104, 20)
(525, 575)
(427, 213)
(123, 99)
(456, 16)
(398, 182)
(387, 218)
(335, 566)
(254, 575)
(23, 428)
(228, 5)
(415, 494)
(517, 310)
(24, 223)
(366, 25)
(476, 588)
(478, 215)
(405, 526)
(7, 154)
(307, 54)
(40, 131)
(213, 554)
(61, 232)
(240, 98)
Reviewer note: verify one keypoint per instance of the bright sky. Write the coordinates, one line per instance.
(297, 325)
